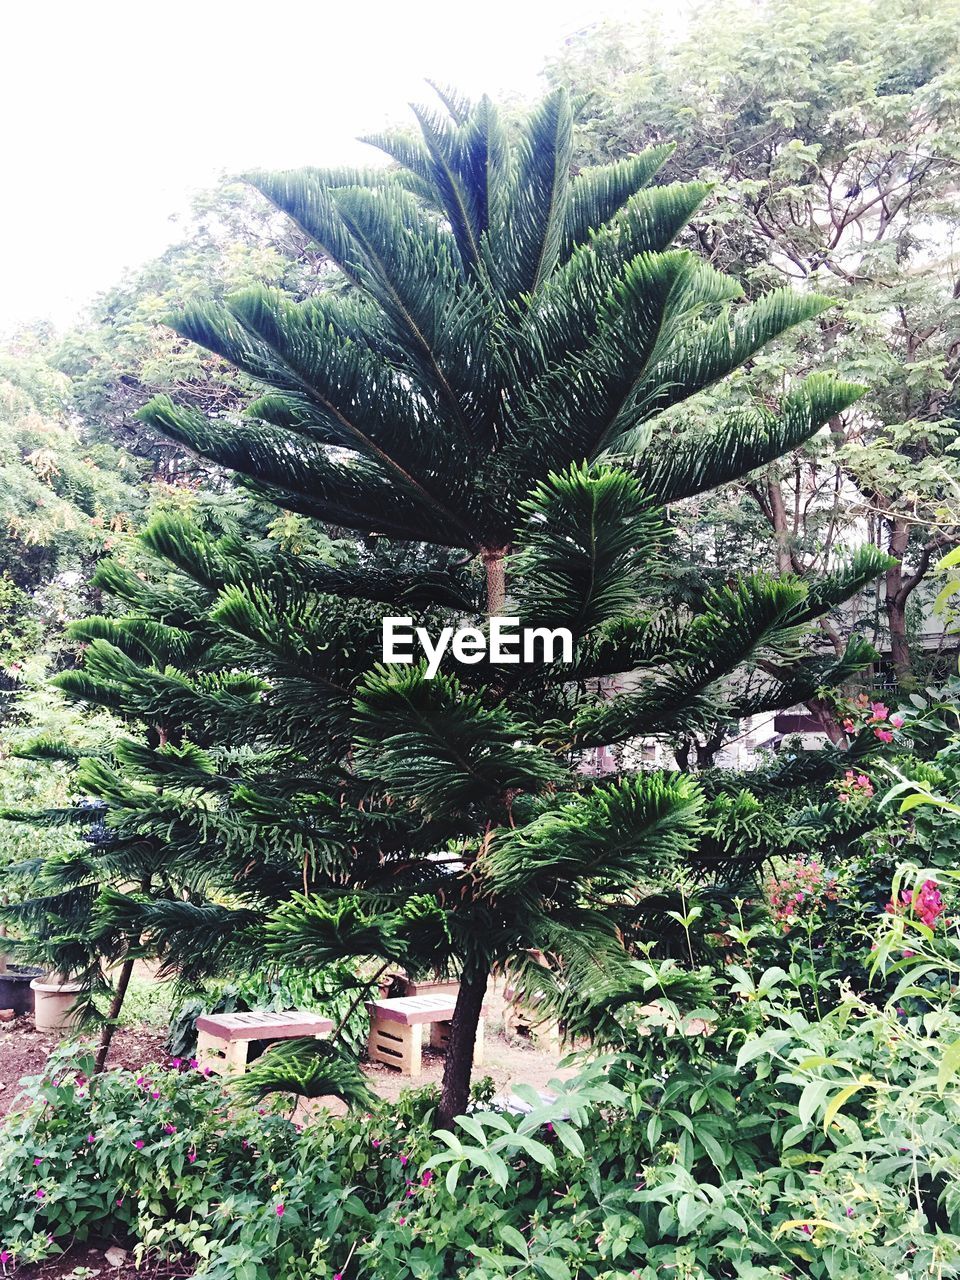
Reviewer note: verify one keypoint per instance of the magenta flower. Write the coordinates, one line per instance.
(154, 1095)
(138, 1143)
(375, 1143)
(41, 1193)
(427, 1178)
(120, 1202)
(402, 1221)
(176, 1063)
(38, 1159)
(169, 1128)
(193, 1063)
(91, 1138)
(141, 1081)
(280, 1210)
(403, 1161)
(5, 1256)
(191, 1155)
(207, 1071)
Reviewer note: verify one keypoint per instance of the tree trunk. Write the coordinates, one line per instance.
(822, 712)
(781, 532)
(897, 591)
(496, 579)
(116, 1006)
(900, 654)
(463, 1035)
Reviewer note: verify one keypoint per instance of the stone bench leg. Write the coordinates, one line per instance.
(396, 1045)
(440, 1038)
(223, 1057)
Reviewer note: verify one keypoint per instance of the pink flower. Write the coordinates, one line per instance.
(375, 1143)
(427, 1178)
(154, 1095)
(5, 1256)
(403, 1161)
(850, 1212)
(91, 1138)
(880, 712)
(401, 1221)
(38, 1159)
(120, 1202)
(883, 734)
(897, 721)
(848, 725)
(191, 1155)
(280, 1210)
(169, 1128)
(138, 1143)
(141, 1081)
(207, 1071)
(41, 1193)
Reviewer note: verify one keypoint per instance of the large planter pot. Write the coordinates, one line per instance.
(15, 990)
(53, 1003)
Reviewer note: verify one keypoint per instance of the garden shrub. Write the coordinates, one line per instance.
(781, 1145)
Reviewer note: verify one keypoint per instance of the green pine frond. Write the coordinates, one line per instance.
(672, 469)
(832, 589)
(736, 623)
(588, 536)
(312, 931)
(523, 247)
(438, 748)
(612, 835)
(597, 195)
(306, 1068)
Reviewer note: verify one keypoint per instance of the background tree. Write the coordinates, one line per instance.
(831, 134)
(486, 393)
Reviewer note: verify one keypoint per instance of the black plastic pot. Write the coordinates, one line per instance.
(15, 990)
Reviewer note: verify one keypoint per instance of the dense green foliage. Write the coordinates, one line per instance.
(829, 133)
(485, 389)
(763, 1150)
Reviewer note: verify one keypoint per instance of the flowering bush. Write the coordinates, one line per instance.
(925, 902)
(801, 890)
(782, 1145)
(865, 714)
(854, 788)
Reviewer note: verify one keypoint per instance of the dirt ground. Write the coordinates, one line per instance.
(24, 1050)
(508, 1058)
(90, 1260)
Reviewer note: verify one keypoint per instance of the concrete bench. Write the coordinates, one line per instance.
(396, 1030)
(223, 1039)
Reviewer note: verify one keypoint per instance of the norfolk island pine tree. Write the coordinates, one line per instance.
(481, 396)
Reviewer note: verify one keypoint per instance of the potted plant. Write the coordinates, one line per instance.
(16, 992)
(54, 999)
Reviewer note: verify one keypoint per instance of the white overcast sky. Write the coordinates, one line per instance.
(115, 112)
